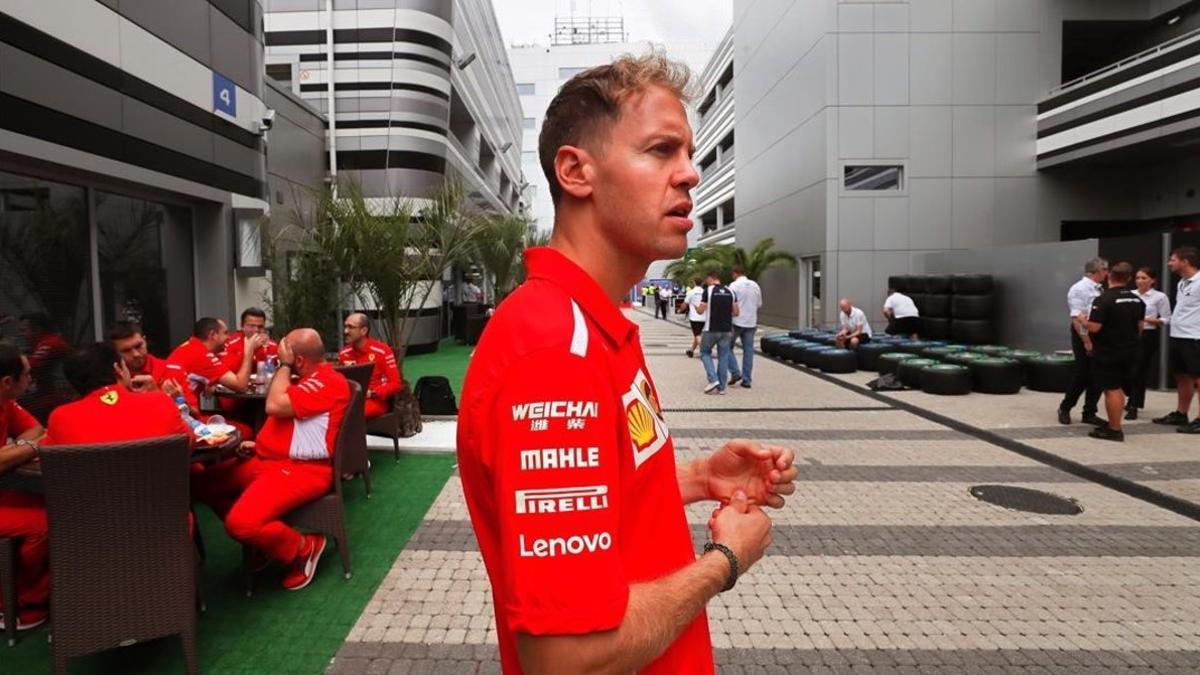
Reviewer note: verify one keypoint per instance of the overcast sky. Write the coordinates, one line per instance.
(662, 21)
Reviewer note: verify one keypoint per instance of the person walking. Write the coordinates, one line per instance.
(749, 298)
(570, 476)
(1185, 337)
(1079, 302)
(1115, 323)
(719, 307)
(1158, 314)
(695, 296)
(666, 301)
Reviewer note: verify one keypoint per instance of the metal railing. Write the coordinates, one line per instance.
(1173, 43)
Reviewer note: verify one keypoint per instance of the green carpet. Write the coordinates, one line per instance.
(277, 631)
(449, 361)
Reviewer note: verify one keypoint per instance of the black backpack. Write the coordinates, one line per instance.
(435, 396)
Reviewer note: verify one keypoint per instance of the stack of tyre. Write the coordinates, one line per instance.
(972, 305)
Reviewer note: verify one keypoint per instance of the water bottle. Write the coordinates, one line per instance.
(272, 363)
(199, 429)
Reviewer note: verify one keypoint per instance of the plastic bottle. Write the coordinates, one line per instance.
(199, 429)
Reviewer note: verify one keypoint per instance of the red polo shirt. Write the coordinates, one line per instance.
(235, 348)
(319, 400)
(385, 378)
(194, 367)
(112, 414)
(155, 368)
(14, 421)
(568, 466)
(47, 349)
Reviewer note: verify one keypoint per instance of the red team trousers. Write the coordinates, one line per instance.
(375, 407)
(251, 495)
(23, 517)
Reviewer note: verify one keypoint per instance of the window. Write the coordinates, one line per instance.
(526, 89)
(872, 177)
(708, 222)
(727, 214)
(568, 73)
(280, 72)
(708, 161)
(529, 122)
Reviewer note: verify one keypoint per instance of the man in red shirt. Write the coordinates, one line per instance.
(565, 457)
(288, 464)
(22, 514)
(197, 367)
(254, 322)
(362, 348)
(146, 370)
(46, 348)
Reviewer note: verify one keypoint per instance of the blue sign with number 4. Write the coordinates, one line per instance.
(224, 95)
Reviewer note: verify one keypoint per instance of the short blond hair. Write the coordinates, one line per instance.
(588, 103)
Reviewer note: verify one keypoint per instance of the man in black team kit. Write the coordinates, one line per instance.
(719, 307)
(1115, 323)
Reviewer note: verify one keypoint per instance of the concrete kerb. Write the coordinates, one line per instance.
(1125, 486)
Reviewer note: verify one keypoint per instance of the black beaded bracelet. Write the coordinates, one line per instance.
(733, 562)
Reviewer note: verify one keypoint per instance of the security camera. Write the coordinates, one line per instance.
(267, 121)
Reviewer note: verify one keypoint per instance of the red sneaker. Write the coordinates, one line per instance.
(305, 566)
(28, 619)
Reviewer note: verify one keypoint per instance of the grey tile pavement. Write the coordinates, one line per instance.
(882, 562)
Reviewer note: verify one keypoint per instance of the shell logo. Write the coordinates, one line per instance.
(641, 425)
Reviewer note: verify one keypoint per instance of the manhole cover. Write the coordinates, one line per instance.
(1024, 499)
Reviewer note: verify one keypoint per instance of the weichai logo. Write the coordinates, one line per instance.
(548, 409)
(556, 546)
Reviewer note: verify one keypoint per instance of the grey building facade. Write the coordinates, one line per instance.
(875, 134)
(131, 153)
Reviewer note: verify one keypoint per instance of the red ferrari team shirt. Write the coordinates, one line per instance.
(194, 367)
(113, 414)
(568, 466)
(14, 421)
(235, 349)
(155, 368)
(46, 350)
(320, 400)
(385, 378)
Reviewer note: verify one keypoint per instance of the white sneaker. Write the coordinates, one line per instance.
(708, 389)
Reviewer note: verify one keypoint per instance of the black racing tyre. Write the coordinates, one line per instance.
(837, 361)
(914, 346)
(964, 358)
(868, 354)
(909, 371)
(937, 306)
(1050, 373)
(916, 284)
(995, 375)
(797, 334)
(935, 327)
(971, 331)
(770, 344)
(941, 353)
(918, 300)
(898, 282)
(791, 349)
(946, 380)
(811, 354)
(1023, 356)
(992, 350)
(972, 284)
(939, 283)
(971, 306)
(887, 362)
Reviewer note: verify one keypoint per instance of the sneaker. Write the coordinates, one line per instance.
(1094, 420)
(720, 392)
(734, 380)
(1173, 418)
(690, 353)
(1131, 414)
(1107, 433)
(708, 388)
(1064, 416)
(1192, 427)
(29, 618)
(745, 385)
(305, 566)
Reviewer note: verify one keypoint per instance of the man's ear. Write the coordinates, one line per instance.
(573, 166)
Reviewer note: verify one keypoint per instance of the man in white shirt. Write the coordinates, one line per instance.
(1185, 337)
(1079, 304)
(855, 329)
(694, 298)
(902, 315)
(749, 298)
(666, 300)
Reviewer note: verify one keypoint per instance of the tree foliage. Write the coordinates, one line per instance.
(724, 257)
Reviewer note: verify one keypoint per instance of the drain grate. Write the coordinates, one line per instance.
(1025, 499)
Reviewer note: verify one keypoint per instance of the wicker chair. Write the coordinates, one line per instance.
(8, 579)
(398, 422)
(355, 457)
(123, 565)
(326, 514)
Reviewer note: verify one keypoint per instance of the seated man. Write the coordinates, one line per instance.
(254, 322)
(902, 315)
(855, 329)
(362, 348)
(145, 369)
(196, 365)
(289, 464)
(22, 514)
